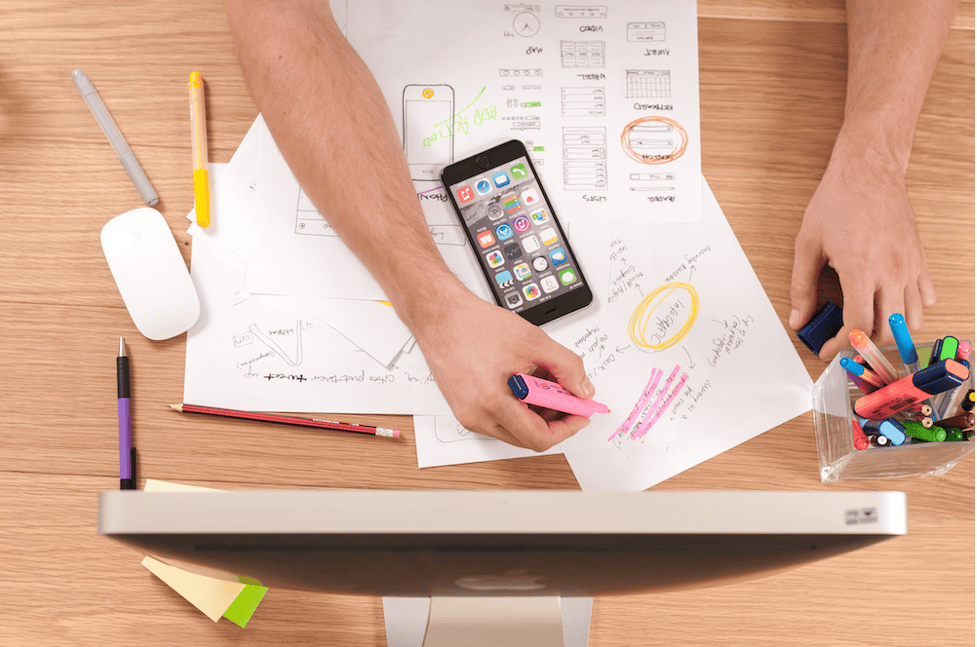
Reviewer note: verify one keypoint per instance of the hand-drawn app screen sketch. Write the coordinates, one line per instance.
(428, 110)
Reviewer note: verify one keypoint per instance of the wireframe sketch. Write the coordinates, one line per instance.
(456, 433)
(648, 84)
(429, 128)
(581, 11)
(308, 220)
(583, 102)
(646, 32)
(654, 140)
(582, 54)
(584, 158)
(660, 182)
(513, 72)
(270, 339)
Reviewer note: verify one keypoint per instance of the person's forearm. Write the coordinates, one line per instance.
(334, 129)
(893, 47)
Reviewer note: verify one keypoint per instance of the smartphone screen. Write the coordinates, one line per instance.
(520, 244)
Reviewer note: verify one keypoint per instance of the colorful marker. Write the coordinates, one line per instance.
(890, 428)
(904, 342)
(955, 434)
(930, 434)
(911, 389)
(859, 370)
(861, 384)
(943, 404)
(859, 439)
(968, 401)
(965, 421)
(533, 390)
(879, 440)
(865, 346)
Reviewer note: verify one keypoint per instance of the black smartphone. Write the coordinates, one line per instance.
(511, 225)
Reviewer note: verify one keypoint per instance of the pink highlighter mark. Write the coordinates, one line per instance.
(661, 394)
(639, 406)
(662, 409)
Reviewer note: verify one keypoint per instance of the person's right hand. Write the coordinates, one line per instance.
(472, 348)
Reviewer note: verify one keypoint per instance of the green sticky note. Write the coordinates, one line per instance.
(244, 579)
(245, 604)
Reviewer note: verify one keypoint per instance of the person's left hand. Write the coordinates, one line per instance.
(860, 222)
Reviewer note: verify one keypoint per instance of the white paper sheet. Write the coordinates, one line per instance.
(242, 355)
(606, 97)
(441, 440)
(301, 255)
(691, 357)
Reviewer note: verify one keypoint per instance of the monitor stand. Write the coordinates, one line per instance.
(515, 621)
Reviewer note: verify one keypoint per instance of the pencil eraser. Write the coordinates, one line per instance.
(824, 325)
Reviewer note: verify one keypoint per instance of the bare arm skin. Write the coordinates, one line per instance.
(859, 220)
(332, 125)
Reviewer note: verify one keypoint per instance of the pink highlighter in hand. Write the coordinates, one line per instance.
(543, 393)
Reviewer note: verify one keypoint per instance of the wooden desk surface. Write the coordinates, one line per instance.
(772, 88)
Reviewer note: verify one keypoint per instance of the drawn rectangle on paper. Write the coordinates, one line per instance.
(584, 158)
(648, 84)
(577, 11)
(308, 220)
(584, 102)
(582, 53)
(646, 32)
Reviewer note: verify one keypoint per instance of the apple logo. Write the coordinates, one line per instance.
(510, 581)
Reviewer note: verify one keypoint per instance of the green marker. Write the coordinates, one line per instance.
(955, 434)
(916, 429)
(949, 348)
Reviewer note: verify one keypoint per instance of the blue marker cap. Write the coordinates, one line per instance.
(940, 377)
(852, 366)
(903, 341)
(893, 430)
(519, 387)
(824, 325)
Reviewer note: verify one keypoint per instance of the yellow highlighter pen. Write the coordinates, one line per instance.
(198, 124)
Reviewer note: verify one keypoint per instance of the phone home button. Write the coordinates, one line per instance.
(483, 162)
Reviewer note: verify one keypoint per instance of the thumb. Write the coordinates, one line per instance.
(567, 368)
(808, 263)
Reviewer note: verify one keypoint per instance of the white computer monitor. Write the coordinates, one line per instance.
(506, 558)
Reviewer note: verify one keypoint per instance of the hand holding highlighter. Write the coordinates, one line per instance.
(543, 393)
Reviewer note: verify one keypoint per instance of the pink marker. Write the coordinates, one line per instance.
(533, 390)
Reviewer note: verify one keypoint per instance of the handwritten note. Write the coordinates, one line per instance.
(689, 354)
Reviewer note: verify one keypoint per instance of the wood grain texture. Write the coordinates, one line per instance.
(772, 89)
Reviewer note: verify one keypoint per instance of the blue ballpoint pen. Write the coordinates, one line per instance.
(904, 342)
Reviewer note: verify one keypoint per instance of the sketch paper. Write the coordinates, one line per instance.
(373, 326)
(243, 355)
(605, 97)
(441, 440)
(691, 357)
(301, 255)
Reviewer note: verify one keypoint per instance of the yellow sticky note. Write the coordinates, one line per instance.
(217, 593)
(210, 595)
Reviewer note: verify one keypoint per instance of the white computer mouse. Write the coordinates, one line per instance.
(150, 273)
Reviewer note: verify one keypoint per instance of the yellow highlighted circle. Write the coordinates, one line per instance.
(642, 315)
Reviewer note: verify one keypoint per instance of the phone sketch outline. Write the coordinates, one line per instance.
(422, 103)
